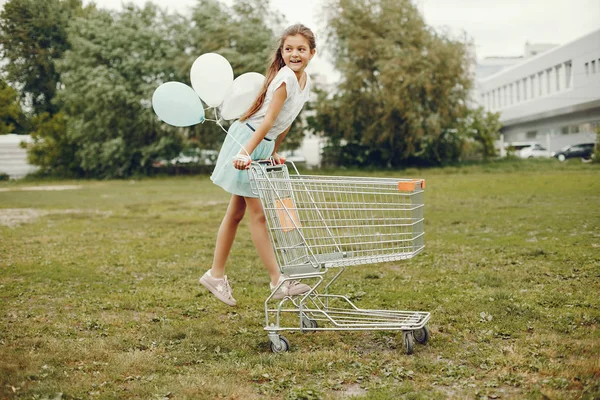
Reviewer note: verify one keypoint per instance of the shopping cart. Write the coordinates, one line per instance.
(317, 223)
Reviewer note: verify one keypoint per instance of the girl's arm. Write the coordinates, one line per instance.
(272, 112)
(279, 159)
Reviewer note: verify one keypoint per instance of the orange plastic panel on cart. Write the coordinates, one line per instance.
(288, 217)
(410, 186)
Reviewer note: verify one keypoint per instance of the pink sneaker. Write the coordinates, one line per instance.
(289, 288)
(219, 287)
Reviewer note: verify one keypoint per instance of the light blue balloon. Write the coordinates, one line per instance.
(177, 104)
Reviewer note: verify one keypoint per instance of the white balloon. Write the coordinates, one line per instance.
(177, 104)
(241, 95)
(211, 76)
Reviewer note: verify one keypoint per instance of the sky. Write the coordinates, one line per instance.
(497, 27)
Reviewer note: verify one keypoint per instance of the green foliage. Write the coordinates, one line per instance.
(10, 110)
(116, 62)
(33, 35)
(52, 149)
(245, 34)
(403, 91)
(483, 127)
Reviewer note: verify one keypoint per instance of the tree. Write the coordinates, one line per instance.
(245, 35)
(403, 91)
(10, 110)
(116, 62)
(33, 35)
(52, 149)
(484, 127)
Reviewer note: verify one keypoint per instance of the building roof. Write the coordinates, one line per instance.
(537, 56)
(13, 138)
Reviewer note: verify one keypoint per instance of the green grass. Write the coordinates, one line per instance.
(99, 295)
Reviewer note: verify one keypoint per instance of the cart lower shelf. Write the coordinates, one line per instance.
(315, 313)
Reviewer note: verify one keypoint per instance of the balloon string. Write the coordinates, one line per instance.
(218, 121)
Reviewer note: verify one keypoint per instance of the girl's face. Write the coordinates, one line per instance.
(296, 53)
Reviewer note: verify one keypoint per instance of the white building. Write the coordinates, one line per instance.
(552, 98)
(13, 158)
(492, 65)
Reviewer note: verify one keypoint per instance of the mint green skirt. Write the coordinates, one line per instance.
(225, 175)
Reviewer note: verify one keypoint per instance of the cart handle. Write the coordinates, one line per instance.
(271, 166)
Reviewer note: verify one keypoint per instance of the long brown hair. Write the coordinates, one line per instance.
(277, 63)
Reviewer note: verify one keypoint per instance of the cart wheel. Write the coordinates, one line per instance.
(421, 335)
(284, 345)
(308, 323)
(409, 342)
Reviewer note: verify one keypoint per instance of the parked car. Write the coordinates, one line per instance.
(196, 156)
(527, 150)
(190, 156)
(585, 151)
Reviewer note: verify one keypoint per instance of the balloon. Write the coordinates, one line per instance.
(177, 104)
(241, 94)
(211, 77)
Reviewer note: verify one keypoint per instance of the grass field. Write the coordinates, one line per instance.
(99, 295)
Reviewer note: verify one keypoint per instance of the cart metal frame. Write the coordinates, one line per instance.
(318, 223)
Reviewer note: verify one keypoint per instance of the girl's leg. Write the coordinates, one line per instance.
(226, 235)
(260, 237)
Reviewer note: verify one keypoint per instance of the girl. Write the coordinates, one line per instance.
(262, 128)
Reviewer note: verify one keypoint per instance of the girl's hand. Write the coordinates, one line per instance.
(278, 159)
(241, 162)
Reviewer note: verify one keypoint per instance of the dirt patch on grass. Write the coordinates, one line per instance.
(353, 390)
(206, 203)
(41, 188)
(13, 217)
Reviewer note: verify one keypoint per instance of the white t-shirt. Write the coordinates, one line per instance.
(292, 106)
